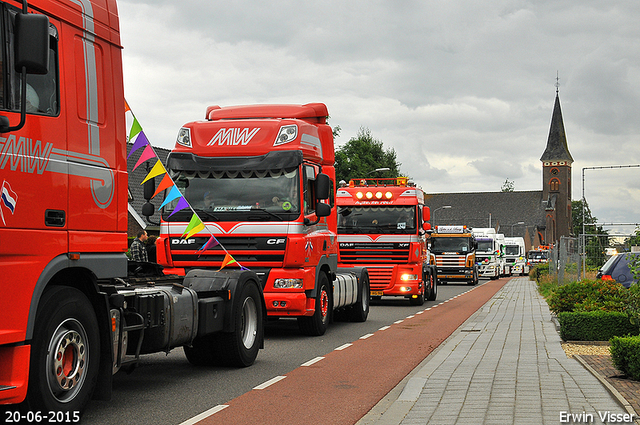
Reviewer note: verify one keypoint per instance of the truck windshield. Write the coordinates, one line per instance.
(485, 245)
(377, 220)
(260, 195)
(450, 244)
(512, 250)
(537, 255)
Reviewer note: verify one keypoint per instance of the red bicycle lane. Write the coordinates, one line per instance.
(345, 384)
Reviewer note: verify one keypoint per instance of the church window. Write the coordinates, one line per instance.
(554, 185)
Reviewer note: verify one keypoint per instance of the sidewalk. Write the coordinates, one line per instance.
(505, 365)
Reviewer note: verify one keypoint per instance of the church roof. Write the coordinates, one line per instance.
(490, 209)
(557, 149)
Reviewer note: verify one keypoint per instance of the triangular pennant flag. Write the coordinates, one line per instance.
(135, 128)
(126, 106)
(195, 225)
(147, 154)
(210, 244)
(155, 171)
(228, 259)
(182, 204)
(141, 141)
(164, 184)
(173, 194)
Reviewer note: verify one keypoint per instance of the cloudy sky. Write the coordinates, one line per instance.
(463, 91)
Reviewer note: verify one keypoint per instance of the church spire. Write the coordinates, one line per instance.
(557, 149)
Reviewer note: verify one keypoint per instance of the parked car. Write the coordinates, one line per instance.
(617, 268)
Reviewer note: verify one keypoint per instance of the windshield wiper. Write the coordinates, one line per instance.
(268, 212)
(208, 214)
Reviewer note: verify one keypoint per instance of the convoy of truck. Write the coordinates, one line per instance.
(453, 252)
(515, 255)
(490, 253)
(382, 225)
(277, 238)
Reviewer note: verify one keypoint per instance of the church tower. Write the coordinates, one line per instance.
(556, 179)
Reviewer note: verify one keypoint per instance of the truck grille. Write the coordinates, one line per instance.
(248, 251)
(379, 278)
(368, 253)
(450, 260)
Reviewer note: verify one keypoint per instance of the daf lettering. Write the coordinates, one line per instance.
(182, 241)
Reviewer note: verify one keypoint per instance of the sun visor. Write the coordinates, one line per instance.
(184, 161)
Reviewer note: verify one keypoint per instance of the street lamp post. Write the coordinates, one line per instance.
(379, 169)
(433, 214)
(516, 224)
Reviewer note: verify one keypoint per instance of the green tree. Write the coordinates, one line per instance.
(594, 247)
(363, 154)
(507, 186)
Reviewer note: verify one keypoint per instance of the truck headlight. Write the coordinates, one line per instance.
(184, 137)
(287, 283)
(407, 276)
(288, 133)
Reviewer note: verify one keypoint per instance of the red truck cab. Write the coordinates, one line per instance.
(382, 225)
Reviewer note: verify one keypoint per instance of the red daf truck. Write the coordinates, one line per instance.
(383, 226)
(262, 179)
(73, 310)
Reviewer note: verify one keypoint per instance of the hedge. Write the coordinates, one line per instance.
(595, 325)
(625, 354)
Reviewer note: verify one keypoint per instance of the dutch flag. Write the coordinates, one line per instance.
(8, 198)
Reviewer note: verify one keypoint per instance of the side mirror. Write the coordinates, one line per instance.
(323, 185)
(426, 226)
(32, 43)
(31, 57)
(323, 210)
(426, 214)
(149, 188)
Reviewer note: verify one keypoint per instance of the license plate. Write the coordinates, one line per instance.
(376, 293)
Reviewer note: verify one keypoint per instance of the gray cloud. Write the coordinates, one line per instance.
(463, 91)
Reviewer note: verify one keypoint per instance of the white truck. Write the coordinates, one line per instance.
(515, 255)
(490, 253)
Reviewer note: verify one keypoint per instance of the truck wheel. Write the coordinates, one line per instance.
(360, 310)
(317, 324)
(65, 352)
(238, 348)
(433, 292)
(420, 299)
(474, 281)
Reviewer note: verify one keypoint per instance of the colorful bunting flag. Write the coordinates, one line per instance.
(173, 194)
(228, 259)
(141, 141)
(155, 171)
(182, 204)
(195, 224)
(146, 155)
(166, 183)
(210, 244)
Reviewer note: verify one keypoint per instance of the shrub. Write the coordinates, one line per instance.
(588, 295)
(625, 354)
(594, 325)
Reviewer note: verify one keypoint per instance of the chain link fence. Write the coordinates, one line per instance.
(580, 258)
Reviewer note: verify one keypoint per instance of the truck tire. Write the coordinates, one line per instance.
(360, 310)
(317, 324)
(474, 281)
(433, 291)
(65, 352)
(240, 347)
